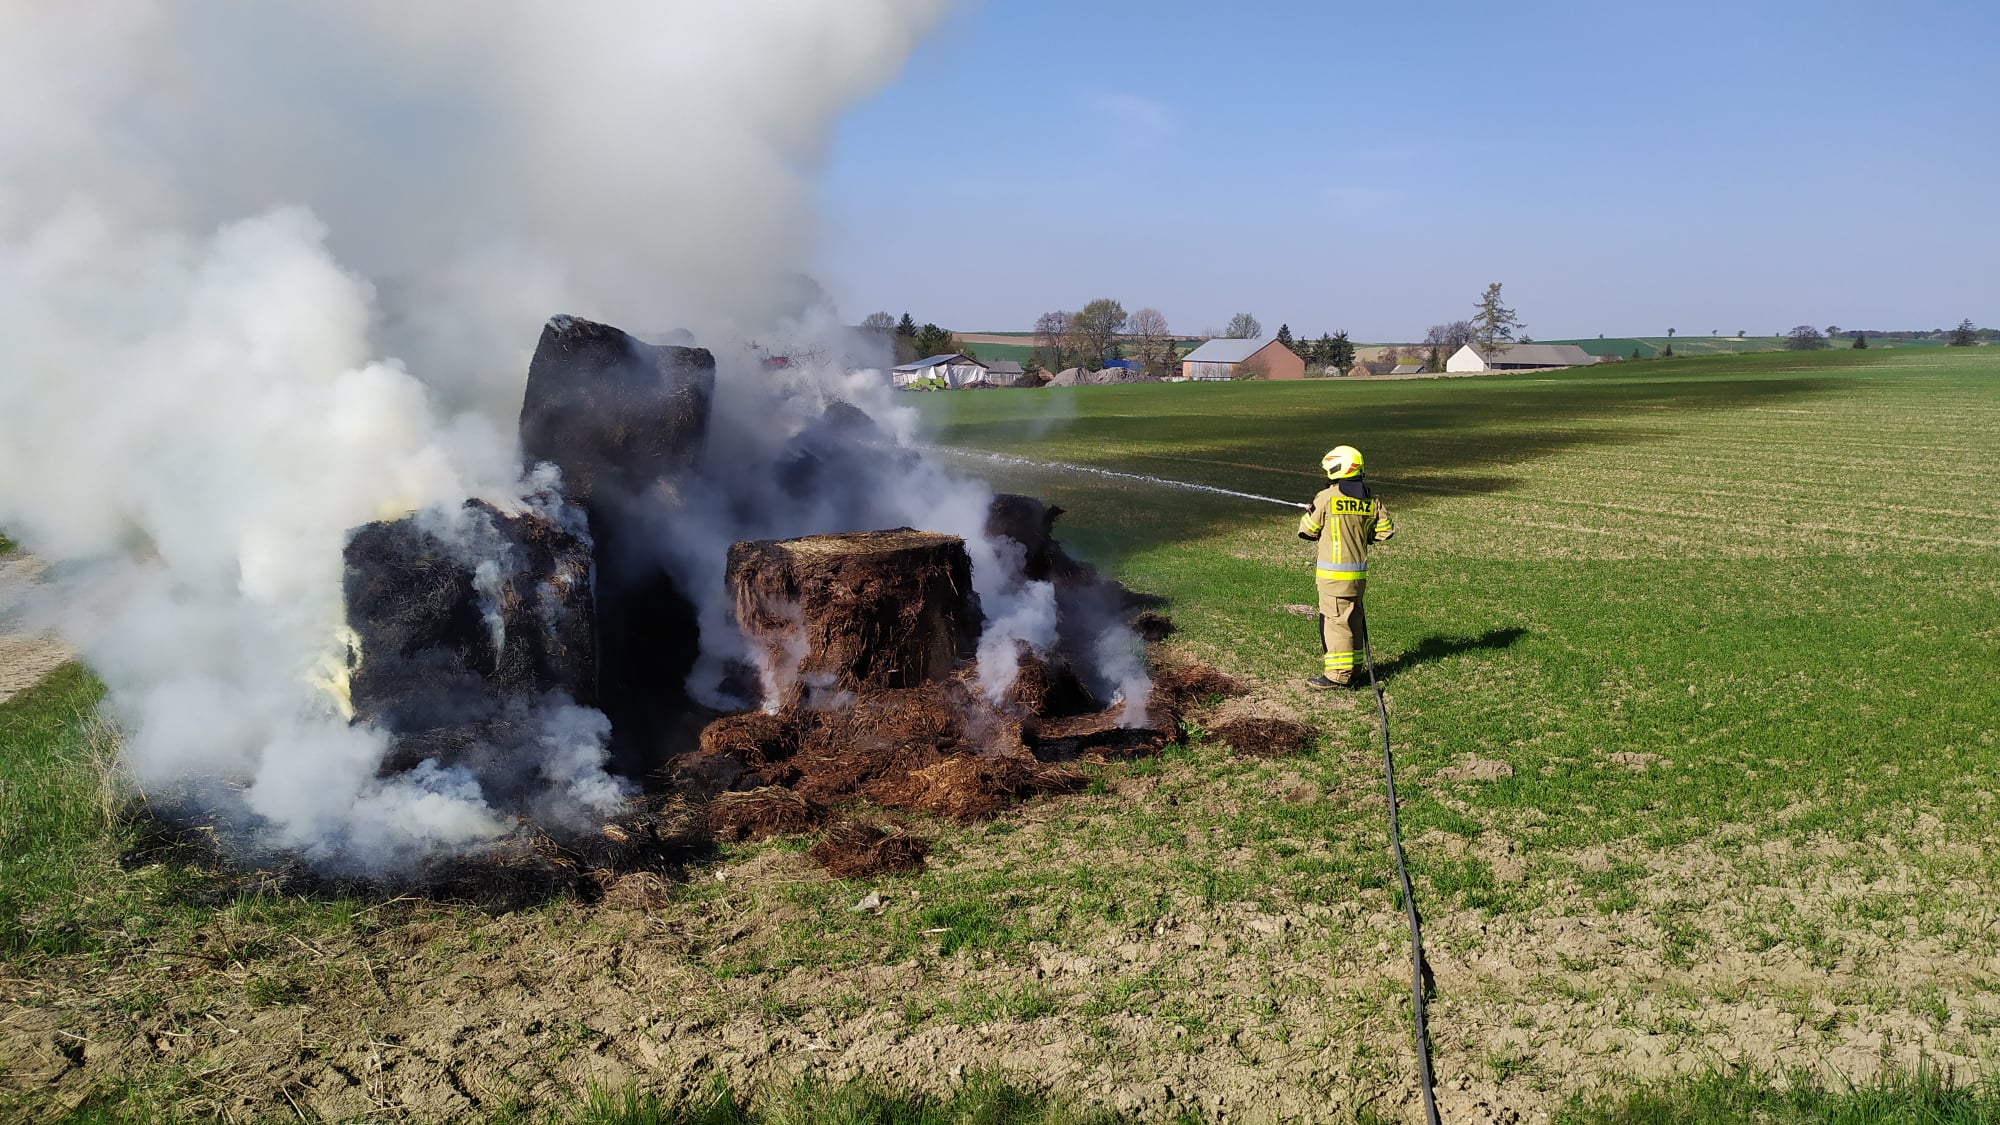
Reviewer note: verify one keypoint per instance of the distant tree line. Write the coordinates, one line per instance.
(1964, 336)
(913, 341)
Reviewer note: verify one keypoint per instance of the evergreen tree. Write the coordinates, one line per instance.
(1340, 353)
(1493, 323)
(932, 340)
(906, 327)
(1285, 334)
(1965, 335)
(1861, 339)
(1635, 353)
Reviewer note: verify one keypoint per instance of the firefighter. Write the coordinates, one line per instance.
(1346, 518)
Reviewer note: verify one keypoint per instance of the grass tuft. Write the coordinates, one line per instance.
(1748, 1095)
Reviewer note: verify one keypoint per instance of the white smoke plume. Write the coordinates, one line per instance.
(271, 271)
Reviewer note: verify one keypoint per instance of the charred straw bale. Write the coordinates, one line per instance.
(1031, 523)
(454, 617)
(613, 411)
(859, 611)
(620, 417)
(854, 850)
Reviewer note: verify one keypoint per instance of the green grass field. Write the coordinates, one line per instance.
(1694, 671)
(1651, 347)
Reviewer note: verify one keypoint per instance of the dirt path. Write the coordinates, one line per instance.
(26, 655)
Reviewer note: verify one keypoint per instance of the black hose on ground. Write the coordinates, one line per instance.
(1420, 970)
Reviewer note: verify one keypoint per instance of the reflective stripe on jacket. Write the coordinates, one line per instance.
(1346, 517)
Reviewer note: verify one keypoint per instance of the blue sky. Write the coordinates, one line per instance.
(1621, 168)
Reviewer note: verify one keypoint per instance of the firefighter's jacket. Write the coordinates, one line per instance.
(1346, 517)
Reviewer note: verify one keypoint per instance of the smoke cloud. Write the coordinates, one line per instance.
(269, 272)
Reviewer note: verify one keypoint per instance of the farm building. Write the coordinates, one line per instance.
(955, 370)
(1235, 359)
(1003, 372)
(1408, 369)
(1515, 357)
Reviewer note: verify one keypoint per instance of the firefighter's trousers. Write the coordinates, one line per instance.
(1342, 630)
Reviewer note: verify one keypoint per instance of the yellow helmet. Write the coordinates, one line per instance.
(1341, 462)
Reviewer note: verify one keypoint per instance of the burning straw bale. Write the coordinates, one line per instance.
(621, 418)
(855, 850)
(855, 612)
(614, 413)
(1031, 523)
(457, 622)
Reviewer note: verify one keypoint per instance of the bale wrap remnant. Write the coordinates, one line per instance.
(859, 611)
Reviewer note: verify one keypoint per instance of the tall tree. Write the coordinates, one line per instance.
(1340, 351)
(1965, 335)
(1315, 351)
(1670, 333)
(1493, 323)
(906, 328)
(1832, 330)
(1095, 329)
(1284, 335)
(1861, 339)
(1243, 326)
(1153, 346)
(1805, 338)
(932, 340)
(1448, 338)
(879, 322)
(1052, 339)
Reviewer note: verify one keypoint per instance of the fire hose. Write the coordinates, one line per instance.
(1420, 970)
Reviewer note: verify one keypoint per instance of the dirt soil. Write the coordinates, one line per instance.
(26, 654)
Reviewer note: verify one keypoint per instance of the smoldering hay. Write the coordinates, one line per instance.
(269, 273)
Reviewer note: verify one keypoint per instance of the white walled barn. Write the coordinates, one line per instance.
(1518, 357)
(956, 371)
